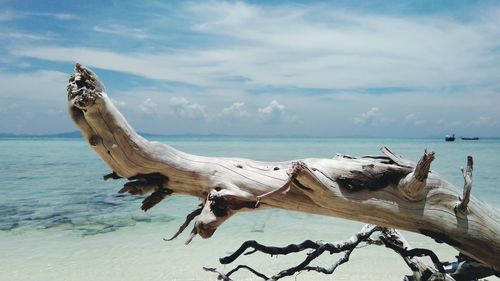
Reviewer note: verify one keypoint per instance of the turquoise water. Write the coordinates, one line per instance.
(49, 183)
(60, 221)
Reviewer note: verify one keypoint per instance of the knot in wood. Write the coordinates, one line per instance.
(94, 140)
(218, 205)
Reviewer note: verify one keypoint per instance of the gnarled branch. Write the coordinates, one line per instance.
(382, 190)
(461, 270)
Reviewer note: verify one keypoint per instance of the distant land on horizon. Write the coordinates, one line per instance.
(78, 134)
(73, 134)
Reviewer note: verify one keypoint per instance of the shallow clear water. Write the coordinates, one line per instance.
(57, 183)
(52, 194)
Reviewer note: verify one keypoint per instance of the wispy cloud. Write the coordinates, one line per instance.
(273, 61)
(58, 16)
(120, 103)
(276, 112)
(285, 46)
(148, 107)
(484, 121)
(29, 101)
(177, 66)
(120, 30)
(7, 15)
(182, 107)
(34, 86)
(237, 110)
(27, 36)
(8, 109)
(413, 119)
(367, 117)
(349, 48)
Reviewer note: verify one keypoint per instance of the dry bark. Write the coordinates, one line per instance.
(387, 191)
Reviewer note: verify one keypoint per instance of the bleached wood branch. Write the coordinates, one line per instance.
(413, 185)
(467, 174)
(382, 190)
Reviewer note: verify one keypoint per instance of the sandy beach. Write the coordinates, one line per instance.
(139, 253)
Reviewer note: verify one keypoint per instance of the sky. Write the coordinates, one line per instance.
(259, 68)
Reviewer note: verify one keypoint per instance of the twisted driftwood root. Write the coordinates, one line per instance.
(463, 269)
(386, 190)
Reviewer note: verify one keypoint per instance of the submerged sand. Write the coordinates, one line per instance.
(139, 253)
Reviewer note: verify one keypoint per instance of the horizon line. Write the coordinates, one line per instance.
(77, 134)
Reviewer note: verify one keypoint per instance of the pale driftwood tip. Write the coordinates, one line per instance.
(467, 174)
(424, 165)
(470, 164)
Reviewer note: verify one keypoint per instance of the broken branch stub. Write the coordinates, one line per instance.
(467, 174)
(382, 190)
(413, 185)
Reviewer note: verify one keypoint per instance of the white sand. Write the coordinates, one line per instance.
(139, 253)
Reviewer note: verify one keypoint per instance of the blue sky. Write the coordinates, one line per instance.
(333, 68)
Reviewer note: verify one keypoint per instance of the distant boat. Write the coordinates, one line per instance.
(449, 138)
(469, 138)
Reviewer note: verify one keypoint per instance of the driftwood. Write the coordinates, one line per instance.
(387, 191)
(460, 270)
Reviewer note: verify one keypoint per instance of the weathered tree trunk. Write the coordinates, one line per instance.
(383, 190)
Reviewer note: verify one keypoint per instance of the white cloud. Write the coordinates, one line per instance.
(179, 66)
(120, 103)
(39, 85)
(120, 30)
(223, 13)
(181, 107)
(413, 119)
(446, 66)
(7, 109)
(237, 109)
(7, 15)
(343, 45)
(34, 102)
(483, 121)
(274, 111)
(367, 117)
(148, 107)
(450, 123)
(58, 16)
(288, 46)
(410, 117)
(29, 36)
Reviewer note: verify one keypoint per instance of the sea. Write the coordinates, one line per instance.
(59, 220)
